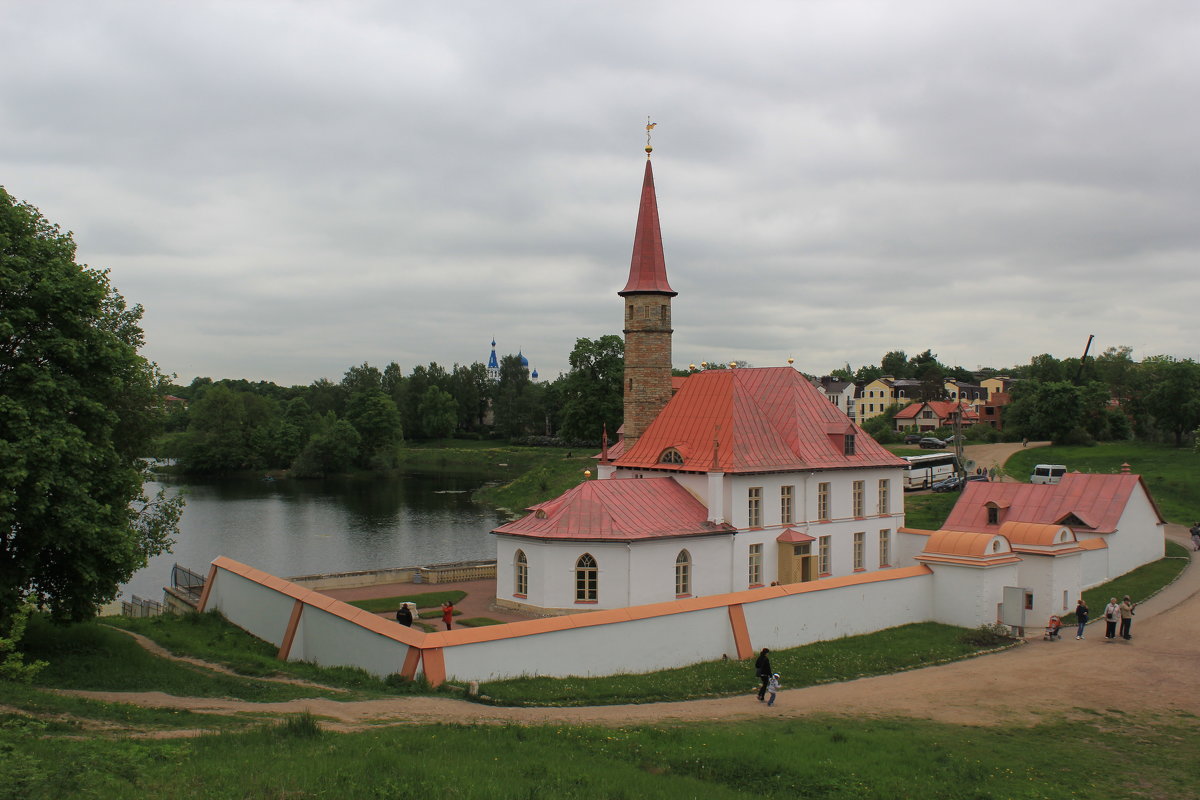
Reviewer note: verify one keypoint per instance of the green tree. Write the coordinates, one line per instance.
(375, 418)
(1173, 395)
(78, 408)
(438, 413)
(517, 409)
(895, 363)
(1054, 411)
(591, 393)
(332, 449)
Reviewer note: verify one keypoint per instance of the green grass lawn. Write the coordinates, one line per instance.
(1170, 472)
(928, 511)
(1107, 757)
(377, 605)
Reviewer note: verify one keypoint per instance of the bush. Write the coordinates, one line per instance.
(993, 634)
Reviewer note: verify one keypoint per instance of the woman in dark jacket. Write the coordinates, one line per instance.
(1081, 616)
(404, 615)
(762, 668)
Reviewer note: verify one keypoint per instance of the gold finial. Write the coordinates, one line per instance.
(649, 127)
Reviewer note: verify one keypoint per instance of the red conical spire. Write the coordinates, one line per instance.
(648, 271)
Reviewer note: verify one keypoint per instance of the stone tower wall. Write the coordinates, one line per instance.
(647, 361)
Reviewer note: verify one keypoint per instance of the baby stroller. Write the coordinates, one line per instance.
(1052, 628)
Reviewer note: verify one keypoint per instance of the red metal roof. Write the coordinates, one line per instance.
(648, 270)
(1096, 501)
(618, 509)
(763, 420)
(942, 408)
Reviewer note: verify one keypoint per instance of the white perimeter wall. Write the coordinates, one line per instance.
(649, 638)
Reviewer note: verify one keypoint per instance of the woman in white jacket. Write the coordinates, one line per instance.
(1112, 615)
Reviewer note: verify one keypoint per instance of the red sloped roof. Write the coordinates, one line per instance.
(648, 269)
(617, 509)
(764, 419)
(943, 409)
(1097, 500)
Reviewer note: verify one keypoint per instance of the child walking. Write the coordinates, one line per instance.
(772, 688)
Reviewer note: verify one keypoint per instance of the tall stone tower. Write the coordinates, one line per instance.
(647, 320)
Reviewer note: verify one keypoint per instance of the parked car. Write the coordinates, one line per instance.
(912, 438)
(948, 484)
(931, 443)
(951, 439)
(980, 477)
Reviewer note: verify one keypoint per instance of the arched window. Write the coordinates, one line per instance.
(587, 576)
(521, 576)
(670, 456)
(683, 574)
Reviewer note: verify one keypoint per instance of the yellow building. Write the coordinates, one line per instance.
(883, 392)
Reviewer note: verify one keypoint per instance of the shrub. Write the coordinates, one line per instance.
(992, 634)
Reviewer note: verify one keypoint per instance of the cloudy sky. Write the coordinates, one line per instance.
(293, 188)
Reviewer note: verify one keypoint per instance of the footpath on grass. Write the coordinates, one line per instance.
(1155, 673)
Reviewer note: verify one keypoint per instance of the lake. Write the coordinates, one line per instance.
(291, 527)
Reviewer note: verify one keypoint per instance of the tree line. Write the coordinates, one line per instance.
(1108, 397)
(359, 422)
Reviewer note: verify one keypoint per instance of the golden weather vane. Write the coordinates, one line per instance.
(649, 127)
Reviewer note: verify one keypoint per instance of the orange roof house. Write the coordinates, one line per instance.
(932, 414)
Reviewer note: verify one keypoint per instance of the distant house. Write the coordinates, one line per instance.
(841, 393)
(971, 393)
(992, 412)
(934, 414)
(884, 392)
(996, 385)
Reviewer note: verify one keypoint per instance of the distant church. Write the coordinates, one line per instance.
(493, 365)
(743, 478)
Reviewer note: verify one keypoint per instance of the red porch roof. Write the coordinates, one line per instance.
(619, 509)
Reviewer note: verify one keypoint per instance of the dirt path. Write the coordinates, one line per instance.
(1154, 673)
(994, 455)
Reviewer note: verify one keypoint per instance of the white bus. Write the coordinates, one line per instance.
(924, 471)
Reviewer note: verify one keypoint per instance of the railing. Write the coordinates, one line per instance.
(455, 573)
(140, 607)
(191, 583)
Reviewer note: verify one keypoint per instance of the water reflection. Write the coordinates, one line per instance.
(301, 527)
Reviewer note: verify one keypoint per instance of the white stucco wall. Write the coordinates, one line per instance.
(1139, 538)
(1093, 567)
(255, 608)
(969, 596)
(332, 641)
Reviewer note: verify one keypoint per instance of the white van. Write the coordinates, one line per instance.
(1047, 473)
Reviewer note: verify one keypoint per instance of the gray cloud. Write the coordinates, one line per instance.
(293, 188)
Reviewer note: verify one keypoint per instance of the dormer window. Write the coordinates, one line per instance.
(848, 448)
(670, 456)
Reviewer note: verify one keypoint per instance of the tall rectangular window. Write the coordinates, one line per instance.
(885, 486)
(785, 504)
(754, 508)
(756, 553)
(885, 548)
(849, 445)
(859, 502)
(823, 554)
(860, 550)
(822, 501)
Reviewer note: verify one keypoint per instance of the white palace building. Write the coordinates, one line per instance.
(741, 509)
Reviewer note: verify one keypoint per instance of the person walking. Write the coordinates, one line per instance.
(1081, 616)
(762, 668)
(1112, 615)
(1195, 531)
(404, 615)
(773, 688)
(447, 613)
(1127, 607)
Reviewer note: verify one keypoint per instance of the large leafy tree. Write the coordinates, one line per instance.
(78, 407)
(592, 396)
